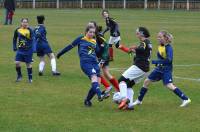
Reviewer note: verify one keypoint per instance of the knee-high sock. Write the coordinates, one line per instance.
(105, 83)
(143, 91)
(180, 94)
(115, 83)
(124, 48)
(91, 94)
(130, 94)
(53, 64)
(18, 70)
(29, 70)
(96, 88)
(41, 66)
(123, 90)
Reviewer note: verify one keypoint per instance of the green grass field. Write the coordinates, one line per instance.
(55, 104)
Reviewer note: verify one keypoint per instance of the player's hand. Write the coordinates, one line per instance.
(101, 63)
(115, 34)
(101, 34)
(132, 48)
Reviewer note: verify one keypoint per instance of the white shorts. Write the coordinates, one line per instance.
(134, 73)
(114, 40)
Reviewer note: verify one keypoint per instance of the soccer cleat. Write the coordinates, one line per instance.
(56, 73)
(101, 98)
(124, 103)
(106, 93)
(111, 59)
(19, 78)
(137, 102)
(87, 103)
(185, 102)
(40, 73)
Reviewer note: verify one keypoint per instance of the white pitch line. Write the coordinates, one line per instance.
(183, 78)
(187, 78)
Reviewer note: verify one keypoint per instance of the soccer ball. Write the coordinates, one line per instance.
(117, 98)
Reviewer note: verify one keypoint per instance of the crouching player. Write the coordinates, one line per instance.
(88, 61)
(23, 45)
(138, 70)
(43, 48)
(163, 70)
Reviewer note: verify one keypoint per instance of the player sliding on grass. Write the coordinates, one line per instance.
(138, 70)
(88, 61)
(23, 45)
(114, 34)
(163, 70)
(103, 57)
(43, 48)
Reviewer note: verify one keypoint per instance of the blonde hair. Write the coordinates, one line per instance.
(168, 36)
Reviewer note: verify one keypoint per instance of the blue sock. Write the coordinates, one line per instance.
(19, 73)
(90, 95)
(180, 94)
(29, 70)
(95, 87)
(143, 91)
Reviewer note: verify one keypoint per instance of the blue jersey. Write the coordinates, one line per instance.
(40, 34)
(87, 49)
(23, 41)
(165, 58)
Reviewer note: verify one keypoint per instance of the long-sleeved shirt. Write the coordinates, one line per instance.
(112, 25)
(23, 40)
(87, 49)
(165, 58)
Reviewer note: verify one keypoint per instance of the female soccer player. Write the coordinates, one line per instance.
(163, 70)
(43, 48)
(23, 45)
(115, 38)
(103, 57)
(88, 61)
(138, 70)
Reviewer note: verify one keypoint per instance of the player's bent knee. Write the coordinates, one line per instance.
(170, 86)
(146, 83)
(130, 83)
(94, 78)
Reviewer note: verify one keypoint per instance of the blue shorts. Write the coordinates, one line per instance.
(166, 76)
(43, 49)
(90, 69)
(24, 58)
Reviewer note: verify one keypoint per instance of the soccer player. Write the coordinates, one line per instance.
(163, 70)
(103, 57)
(138, 70)
(23, 45)
(115, 38)
(88, 61)
(43, 48)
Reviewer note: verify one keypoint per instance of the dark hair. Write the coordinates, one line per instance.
(88, 28)
(143, 31)
(40, 19)
(104, 11)
(24, 19)
(99, 28)
(95, 23)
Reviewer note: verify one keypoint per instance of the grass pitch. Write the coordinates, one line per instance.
(55, 104)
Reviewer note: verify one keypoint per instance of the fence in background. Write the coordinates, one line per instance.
(146, 4)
